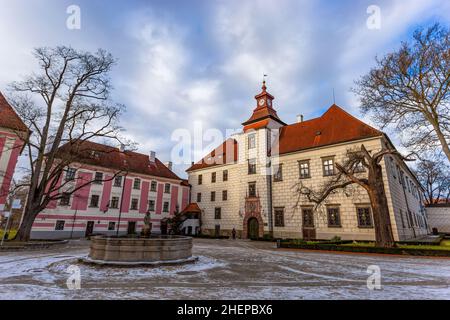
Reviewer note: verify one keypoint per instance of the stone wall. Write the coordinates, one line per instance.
(439, 217)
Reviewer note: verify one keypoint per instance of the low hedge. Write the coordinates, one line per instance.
(207, 236)
(362, 249)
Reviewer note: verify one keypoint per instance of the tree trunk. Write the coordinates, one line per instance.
(382, 220)
(24, 232)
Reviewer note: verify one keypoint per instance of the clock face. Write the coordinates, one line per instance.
(261, 102)
(269, 103)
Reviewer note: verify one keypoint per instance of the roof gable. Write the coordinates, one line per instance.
(9, 118)
(226, 153)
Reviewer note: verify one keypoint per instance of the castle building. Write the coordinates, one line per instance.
(123, 186)
(248, 183)
(12, 134)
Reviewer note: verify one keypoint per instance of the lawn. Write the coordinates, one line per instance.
(445, 245)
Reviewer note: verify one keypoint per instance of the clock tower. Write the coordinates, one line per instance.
(264, 115)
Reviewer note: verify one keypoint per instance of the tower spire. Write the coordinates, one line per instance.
(264, 83)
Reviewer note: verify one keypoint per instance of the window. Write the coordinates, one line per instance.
(167, 188)
(111, 226)
(308, 218)
(213, 196)
(59, 225)
(304, 169)
(251, 141)
(225, 175)
(118, 181)
(252, 166)
(334, 217)
(98, 178)
(252, 189)
(279, 217)
(151, 205)
(364, 217)
(224, 195)
(153, 186)
(200, 179)
(65, 199)
(94, 201)
(213, 177)
(401, 178)
(134, 204)
(114, 203)
(217, 213)
(137, 184)
(403, 220)
(70, 174)
(199, 197)
(328, 167)
(393, 167)
(166, 206)
(278, 173)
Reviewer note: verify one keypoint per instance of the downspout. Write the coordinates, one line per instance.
(269, 188)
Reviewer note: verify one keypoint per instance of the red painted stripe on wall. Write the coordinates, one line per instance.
(2, 145)
(185, 198)
(159, 198)
(106, 193)
(80, 197)
(173, 199)
(4, 189)
(53, 204)
(125, 205)
(92, 218)
(144, 197)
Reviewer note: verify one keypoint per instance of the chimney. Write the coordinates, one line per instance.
(152, 156)
(122, 147)
(299, 118)
(169, 165)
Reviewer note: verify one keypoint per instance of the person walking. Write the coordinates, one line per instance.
(233, 233)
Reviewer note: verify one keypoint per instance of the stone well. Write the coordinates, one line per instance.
(128, 251)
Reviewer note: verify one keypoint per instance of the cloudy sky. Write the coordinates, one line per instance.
(188, 62)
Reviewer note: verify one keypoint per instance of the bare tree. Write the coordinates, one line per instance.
(361, 168)
(433, 173)
(409, 89)
(66, 103)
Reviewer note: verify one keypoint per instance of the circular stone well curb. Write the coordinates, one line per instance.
(88, 260)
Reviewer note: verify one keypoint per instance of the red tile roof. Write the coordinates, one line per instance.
(191, 208)
(101, 155)
(226, 153)
(9, 118)
(334, 126)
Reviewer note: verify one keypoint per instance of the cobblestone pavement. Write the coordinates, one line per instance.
(226, 269)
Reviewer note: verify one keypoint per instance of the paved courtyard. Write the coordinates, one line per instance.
(226, 270)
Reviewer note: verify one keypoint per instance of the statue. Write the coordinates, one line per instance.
(147, 228)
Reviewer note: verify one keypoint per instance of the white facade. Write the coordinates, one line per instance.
(280, 212)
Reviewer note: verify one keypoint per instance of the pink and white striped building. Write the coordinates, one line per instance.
(125, 186)
(12, 132)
